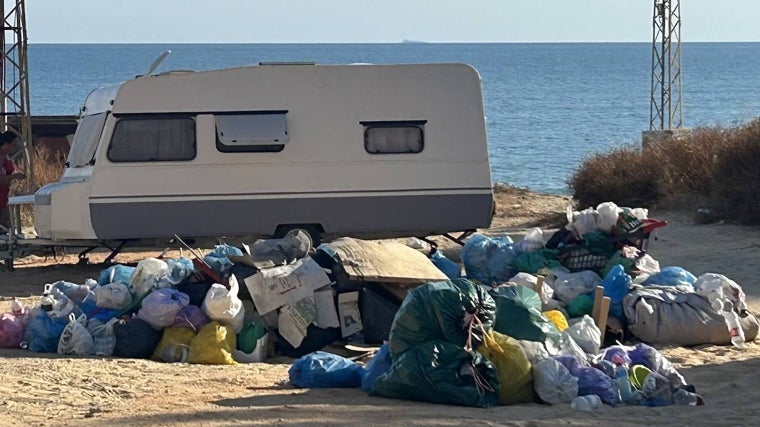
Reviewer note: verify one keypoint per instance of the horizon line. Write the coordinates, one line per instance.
(404, 42)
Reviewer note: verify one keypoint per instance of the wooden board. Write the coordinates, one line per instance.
(601, 311)
(384, 261)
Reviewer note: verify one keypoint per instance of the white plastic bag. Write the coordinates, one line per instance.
(568, 286)
(581, 223)
(146, 276)
(113, 296)
(586, 334)
(647, 265)
(712, 286)
(553, 382)
(224, 305)
(532, 241)
(75, 339)
(607, 216)
(161, 306)
(534, 350)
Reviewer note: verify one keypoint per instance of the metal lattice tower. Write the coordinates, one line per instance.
(665, 106)
(14, 86)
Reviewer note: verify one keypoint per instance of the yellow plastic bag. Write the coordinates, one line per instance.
(512, 367)
(213, 345)
(172, 337)
(557, 318)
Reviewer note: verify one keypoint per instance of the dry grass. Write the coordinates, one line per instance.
(712, 167)
(48, 167)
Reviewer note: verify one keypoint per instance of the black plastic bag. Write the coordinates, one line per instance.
(135, 338)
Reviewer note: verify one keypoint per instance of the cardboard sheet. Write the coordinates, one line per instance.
(272, 288)
(384, 261)
(350, 317)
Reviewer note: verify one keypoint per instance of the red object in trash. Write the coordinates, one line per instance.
(210, 274)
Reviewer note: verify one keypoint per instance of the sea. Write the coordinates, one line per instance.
(548, 106)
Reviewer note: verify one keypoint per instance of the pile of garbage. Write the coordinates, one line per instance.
(518, 328)
(232, 305)
(540, 320)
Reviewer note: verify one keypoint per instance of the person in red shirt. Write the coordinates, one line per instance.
(7, 174)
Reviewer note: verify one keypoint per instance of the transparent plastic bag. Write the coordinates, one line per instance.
(75, 338)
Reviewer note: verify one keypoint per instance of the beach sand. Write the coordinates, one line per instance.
(42, 390)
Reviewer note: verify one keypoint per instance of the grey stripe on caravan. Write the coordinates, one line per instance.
(394, 215)
(338, 193)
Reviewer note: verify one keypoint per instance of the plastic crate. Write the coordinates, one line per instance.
(577, 258)
(634, 233)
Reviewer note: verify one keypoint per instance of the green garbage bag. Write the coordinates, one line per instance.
(440, 372)
(249, 335)
(580, 305)
(532, 262)
(441, 311)
(518, 314)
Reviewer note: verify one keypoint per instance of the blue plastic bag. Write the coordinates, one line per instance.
(218, 261)
(451, 269)
(90, 308)
(616, 285)
(489, 260)
(116, 273)
(179, 270)
(591, 380)
(378, 365)
(74, 292)
(43, 333)
(671, 276)
(324, 370)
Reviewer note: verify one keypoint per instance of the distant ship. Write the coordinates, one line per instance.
(411, 41)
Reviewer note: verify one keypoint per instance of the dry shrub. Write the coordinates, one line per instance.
(736, 191)
(48, 167)
(712, 167)
(687, 164)
(625, 176)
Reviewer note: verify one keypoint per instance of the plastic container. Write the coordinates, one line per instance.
(623, 383)
(17, 309)
(258, 355)
(46, 302)
(686, 398)
(586, 403)
(733, 323)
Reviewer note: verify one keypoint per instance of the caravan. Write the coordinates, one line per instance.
(338, 150)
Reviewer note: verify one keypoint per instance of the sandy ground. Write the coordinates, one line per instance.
(51, 390)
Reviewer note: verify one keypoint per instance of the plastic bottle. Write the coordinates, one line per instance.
(586, 403)
(17, 308)
(623, 383)
(46, 302)
(686, 398)
(734, 324)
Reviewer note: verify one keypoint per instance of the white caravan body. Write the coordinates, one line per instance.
(360, 150)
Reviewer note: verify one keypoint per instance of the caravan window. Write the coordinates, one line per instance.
(153, 139)
(258, 131)
(86, 140)
(401, 137)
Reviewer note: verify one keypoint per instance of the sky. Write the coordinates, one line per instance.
(377, 21)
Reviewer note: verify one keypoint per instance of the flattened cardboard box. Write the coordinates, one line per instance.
(384, 261)
(275, 287)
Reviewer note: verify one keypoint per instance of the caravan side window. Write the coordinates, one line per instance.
(397, 137)
(255, 131)
(153, 139)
